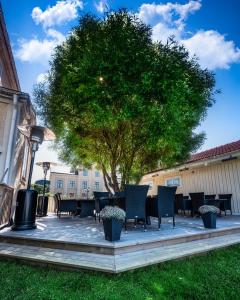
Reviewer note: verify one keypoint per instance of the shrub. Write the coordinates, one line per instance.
(209, 208)
(113, 212)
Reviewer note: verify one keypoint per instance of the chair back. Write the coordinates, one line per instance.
(227, 204)
(225, 196)
(166, 196)
(210, 197)
(101, 200)
(197, 201)
(135, 201)
(179, 202)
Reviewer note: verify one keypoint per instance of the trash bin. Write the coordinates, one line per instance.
(25, 214)
(42, 206)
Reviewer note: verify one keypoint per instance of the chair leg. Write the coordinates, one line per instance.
(145, 225)
(159, 223)
(173, 221)
(135, 223)
(125, 225)
(231, 211)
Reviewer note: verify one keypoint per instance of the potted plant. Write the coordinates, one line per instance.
(113, 218)
(209, 215)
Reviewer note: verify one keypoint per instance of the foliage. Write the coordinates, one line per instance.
(39, 188)
(209, 208)
(185, 279)
(115, 98)
(112, 212)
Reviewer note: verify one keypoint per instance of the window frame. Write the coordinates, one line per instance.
(172, 179)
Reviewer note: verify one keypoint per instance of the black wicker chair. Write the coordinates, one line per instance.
(187, 204)
(227, 203)
(135, 203)
(101, 200)
(210, 200)
(179, 203)
(165, 203)
(197, 200)
(68, 205)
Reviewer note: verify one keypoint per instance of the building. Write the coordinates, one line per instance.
(79, 184)
(214, 171)
(15, 109)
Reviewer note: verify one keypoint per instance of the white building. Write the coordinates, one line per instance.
(81, 184)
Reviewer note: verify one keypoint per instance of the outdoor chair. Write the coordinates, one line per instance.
(163, 206)
(179, 203)
(135, 203)
(210, 200)
(187, 204)
(197, 200)
(101, 200)
(65, 205)
(226, 204)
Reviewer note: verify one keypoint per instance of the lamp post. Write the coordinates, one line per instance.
(43, 201)
(25, 214)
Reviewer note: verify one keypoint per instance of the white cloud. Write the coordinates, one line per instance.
(173, 14)
(212, 49)
(101, 6)
(162, 32)
(39, 51)
(41, 77)
(62, 12)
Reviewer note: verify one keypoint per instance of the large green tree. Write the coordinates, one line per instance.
(117, 99)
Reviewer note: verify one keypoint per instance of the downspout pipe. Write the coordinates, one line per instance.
(10, 141)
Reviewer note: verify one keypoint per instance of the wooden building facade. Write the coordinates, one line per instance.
(215, 171)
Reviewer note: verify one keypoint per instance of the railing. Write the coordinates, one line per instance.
(6, 199)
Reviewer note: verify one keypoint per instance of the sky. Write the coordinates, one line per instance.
(209, 29)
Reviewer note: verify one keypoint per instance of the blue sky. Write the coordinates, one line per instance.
(209, 29)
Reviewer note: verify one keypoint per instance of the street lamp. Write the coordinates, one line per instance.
(26, 203)
(43, 201)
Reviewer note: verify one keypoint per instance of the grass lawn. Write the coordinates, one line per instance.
(215, 275)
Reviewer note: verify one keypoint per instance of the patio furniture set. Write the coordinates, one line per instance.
(140, 207)
(192, 202)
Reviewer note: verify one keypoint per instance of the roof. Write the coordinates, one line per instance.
(6, 52)
(211, 153)
(208, 154)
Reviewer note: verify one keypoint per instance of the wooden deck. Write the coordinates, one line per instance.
(79, 243)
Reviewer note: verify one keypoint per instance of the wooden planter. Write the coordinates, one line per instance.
(112, 229)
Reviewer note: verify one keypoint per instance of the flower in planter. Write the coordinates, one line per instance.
(113, 212)
(208, 209)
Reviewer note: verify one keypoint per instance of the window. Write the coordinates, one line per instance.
(84, 185)
(96, 186)
(72, 184)
(97, 174)
(175, 181)
(85, 172)
(59, 184)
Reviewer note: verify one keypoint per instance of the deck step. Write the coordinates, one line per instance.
(68, 259)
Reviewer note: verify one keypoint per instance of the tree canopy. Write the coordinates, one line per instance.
(117, 99)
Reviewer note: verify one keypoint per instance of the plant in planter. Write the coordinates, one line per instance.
(113, 218)
(209, 215)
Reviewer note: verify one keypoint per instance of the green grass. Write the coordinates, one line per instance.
(215, 275)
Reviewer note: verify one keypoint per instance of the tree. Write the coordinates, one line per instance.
(117, 99)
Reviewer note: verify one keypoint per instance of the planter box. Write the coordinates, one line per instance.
(209, 220)
(112, 229)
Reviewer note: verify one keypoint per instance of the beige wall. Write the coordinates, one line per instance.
(216, 178)
(78, 190)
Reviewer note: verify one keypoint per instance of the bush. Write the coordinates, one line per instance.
(209, 208)
(113, 212)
